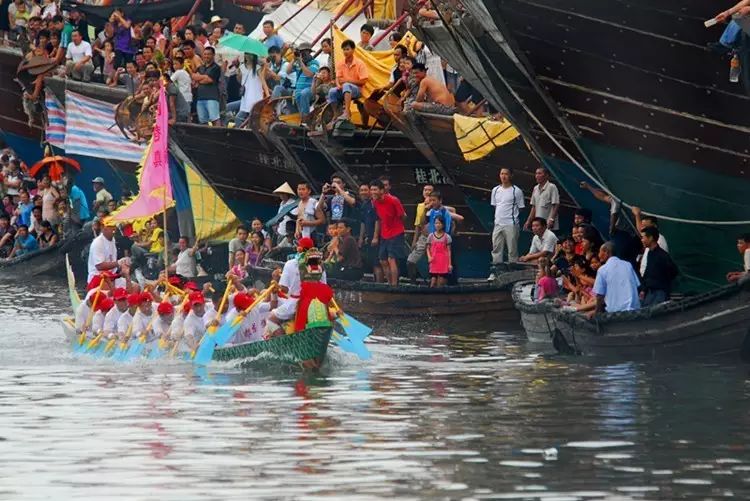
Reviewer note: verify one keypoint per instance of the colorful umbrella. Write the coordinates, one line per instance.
(244, 44)
(56, 165)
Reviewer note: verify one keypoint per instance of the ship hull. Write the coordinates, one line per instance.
(630, 97)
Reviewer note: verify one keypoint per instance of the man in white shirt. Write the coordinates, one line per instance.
(103, 251)
(83, 314)
(308, 212)
(126, 318)
(78, 55)
(507, 199)
(186, 264)
(120, 297)
(645, 221)
(543, 244)
(196, 322)
(291, 285)
(545, 201)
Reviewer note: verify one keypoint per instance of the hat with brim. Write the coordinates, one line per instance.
(217, 19)
(99, 180)
(285, 188)
(36, 65)
(304, 46)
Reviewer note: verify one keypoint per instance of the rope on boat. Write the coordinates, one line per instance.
(575, 162)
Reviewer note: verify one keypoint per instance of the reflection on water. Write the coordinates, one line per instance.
(432, 415)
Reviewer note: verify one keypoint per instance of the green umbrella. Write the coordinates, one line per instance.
(243, 44)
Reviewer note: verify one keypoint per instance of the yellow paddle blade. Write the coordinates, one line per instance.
(94, 342)
(81, 338)
(110, 345)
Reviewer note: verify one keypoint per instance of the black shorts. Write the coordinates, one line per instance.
(394, 248)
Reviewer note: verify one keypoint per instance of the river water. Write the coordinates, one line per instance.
(475, 416)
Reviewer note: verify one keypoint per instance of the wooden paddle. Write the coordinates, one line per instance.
(207, 342)
(90, 317)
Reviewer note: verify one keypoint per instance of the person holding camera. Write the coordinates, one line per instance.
(306, 68)
(337, 202)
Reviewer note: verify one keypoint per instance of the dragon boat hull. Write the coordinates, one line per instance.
(712, 324)
(307, 349)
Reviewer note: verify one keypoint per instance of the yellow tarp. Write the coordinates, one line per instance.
(382, 9)
(214, 220)
(478, 137)
(379, 63)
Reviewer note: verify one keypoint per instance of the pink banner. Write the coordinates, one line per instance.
(154, 187)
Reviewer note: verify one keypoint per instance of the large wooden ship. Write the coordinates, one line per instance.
(629, 95)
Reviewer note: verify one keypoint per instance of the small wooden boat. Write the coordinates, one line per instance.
(47, 261)
(713, 323)
(307, 348)
(536, 318)
(471, 305)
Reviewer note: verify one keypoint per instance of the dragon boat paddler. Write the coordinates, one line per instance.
(126, 318)
(120, 298)
(303, 293)
(143, 316)
(196, 322)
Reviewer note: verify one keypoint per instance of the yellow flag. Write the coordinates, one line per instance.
(214, 220)
(478, 137)
(379, 63)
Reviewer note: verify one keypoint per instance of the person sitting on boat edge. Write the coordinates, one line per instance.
(7, 235)
(659, 272)
(616, 285)
(542, 244)
(351, 77)
(743, 246)
(433, 96)
(24, 244)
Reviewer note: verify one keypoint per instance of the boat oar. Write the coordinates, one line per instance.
(355, 333)
(162, 344)
(202, 355)
(117, 349)
(223, 334)
(138, 344)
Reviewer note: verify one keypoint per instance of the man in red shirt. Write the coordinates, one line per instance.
(391, 215)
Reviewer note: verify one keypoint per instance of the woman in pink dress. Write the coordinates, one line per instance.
(439, 254)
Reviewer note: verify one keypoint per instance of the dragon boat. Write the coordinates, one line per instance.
(710, 324)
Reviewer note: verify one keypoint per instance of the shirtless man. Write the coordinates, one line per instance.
(433, 96)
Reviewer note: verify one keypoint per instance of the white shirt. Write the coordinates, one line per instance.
(543, 198)
(49, 11)
(309, 215)
(77, 52)
(110, 320)
(507, 203)
(546, 243)
(140, 324)
(82, 315)
(252, 327)
(182, 79)
(186, 264)
(324, 60)
(290, 278)
(123, 323)
(195, 326)
(97, 323)
(161, 326)
(101, 251)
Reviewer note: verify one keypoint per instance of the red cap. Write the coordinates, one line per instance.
(146, 297)
(191, 286)
(186, 308)
(134, 299)
(175, 280)
(165, 308)
(119, 294)
(94, 283)
(105, 304)
(96, 298)
(306, 243)
(242, 301)
(198, 299)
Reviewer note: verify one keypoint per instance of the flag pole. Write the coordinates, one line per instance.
(164, 199)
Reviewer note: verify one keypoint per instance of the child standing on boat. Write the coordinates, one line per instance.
(439, 254)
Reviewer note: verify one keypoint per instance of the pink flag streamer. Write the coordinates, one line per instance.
(154, 186)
